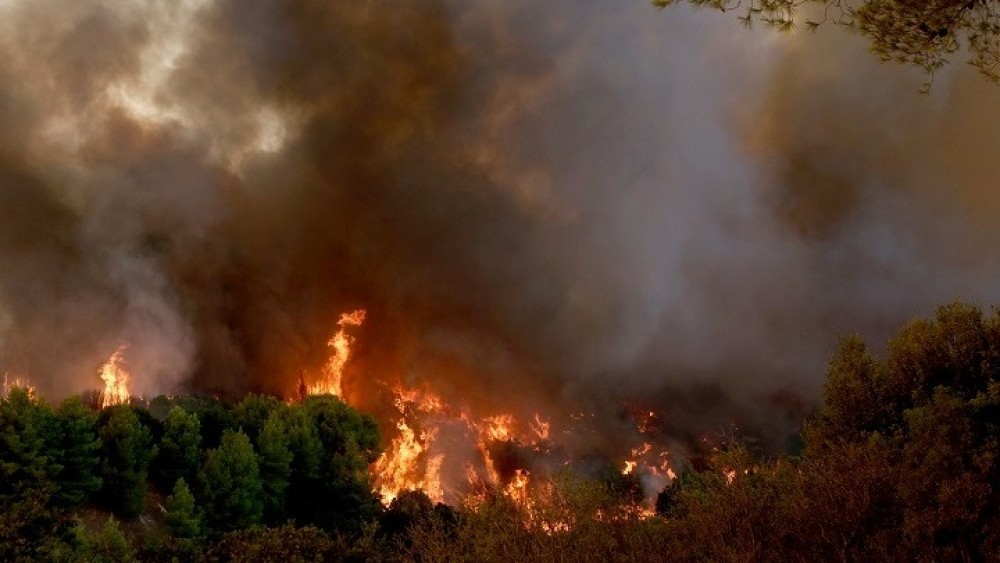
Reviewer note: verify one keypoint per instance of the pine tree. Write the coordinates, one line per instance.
(81, 453)
(252, 412)
(275, 466)
(26, 451)
(180, 448)
(127, 448)
(342, 497)
(110, 544)
(182, 516)
(307, 454)
(232, 490)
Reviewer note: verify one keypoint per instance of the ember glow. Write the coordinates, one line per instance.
(116, 379)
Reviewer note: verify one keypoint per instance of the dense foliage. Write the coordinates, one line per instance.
(901, 463)
(923, 33)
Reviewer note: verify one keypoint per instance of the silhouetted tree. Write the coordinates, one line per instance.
(923, 33)
(342, 497)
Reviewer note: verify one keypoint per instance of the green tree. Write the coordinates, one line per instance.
(179, 454)
(109, 545)
(232, 491)
(182, 514)
(127, 449)
(213, 414)
(275, 458)
(252, 412)
(26, 450)
(921, 33)
(307, 454)
(80, 451)
(342, 498)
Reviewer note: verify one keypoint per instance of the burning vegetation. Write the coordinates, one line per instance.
(115, 378)
(298, 279)
(898, 463)
(495, 451)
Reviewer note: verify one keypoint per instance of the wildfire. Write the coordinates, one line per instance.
(517, 489)
(331, 377)
(414, 459)
(115, 379)
(499, 427)
(17, 382)
(396, 469)
(541, 428)
(399, 468)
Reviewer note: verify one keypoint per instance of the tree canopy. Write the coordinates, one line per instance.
(922, 33)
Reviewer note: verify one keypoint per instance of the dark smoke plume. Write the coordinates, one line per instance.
(561, 205)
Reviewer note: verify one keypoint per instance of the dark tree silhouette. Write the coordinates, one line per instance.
(923, 33)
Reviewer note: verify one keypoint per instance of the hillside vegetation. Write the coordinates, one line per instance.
(900, 463)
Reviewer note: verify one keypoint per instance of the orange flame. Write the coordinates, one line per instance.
(115, 379)
(17, 382)
(517, 489)
(413, 459)
(331, 378)
(499, 427)
(399, 467)
(541, 428)
(397, 470)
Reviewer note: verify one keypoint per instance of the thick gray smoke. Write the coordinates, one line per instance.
(570, 204)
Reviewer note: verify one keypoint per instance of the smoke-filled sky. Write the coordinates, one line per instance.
(545, 202)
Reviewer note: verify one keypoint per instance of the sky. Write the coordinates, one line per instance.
(563, 203)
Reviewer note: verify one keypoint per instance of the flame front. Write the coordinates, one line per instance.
(115, 380)
(332, 375)
(415, 458)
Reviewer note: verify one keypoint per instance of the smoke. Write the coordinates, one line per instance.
(562, 205)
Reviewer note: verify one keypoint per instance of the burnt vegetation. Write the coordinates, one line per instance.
(899, 463)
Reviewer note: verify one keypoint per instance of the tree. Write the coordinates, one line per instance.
(231, 486)
(307, 452)
(342, 497)
(127, 448)
(925, 34)
(182, 514)
(275, 460)
(252, 412)
(930, 412)
(27, 454)
(80, 451)
(109, 544)
(213, 414)
(179, 454)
